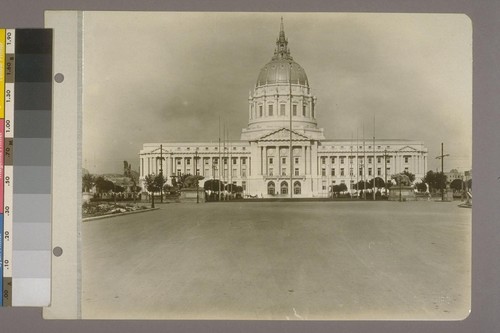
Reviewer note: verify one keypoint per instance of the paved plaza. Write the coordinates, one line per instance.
(280, 260)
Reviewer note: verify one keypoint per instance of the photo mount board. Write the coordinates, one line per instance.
(74, 271)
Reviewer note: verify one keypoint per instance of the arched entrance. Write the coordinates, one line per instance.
(284, 187)
(297, 188)
(271, 188)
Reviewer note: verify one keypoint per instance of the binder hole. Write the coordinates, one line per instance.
(59, 78)
(57, 251)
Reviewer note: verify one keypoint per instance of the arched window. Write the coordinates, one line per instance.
(284, 188)
(270, 188)
(297, 188)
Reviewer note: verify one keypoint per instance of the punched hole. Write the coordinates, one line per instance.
(59, 77)
(58, 251)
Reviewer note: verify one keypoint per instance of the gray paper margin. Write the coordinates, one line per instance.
(486, 164)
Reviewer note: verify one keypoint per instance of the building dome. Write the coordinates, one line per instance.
(281, 98)
(282, 69)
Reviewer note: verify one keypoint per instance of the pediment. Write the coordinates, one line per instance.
(408, 149)
(283, 134)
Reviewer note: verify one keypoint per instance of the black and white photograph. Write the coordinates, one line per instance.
(276, 166)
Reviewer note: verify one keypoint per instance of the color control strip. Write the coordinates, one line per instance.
(27, 181)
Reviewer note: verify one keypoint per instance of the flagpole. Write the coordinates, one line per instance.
(364, 162)
(374, 164)
(291, 153)
(219, 161)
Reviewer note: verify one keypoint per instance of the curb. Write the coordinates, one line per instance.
(117, 214)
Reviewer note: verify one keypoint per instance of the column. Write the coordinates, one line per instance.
(303, 162)
(261, 160)
(314, 158)
(140, 167)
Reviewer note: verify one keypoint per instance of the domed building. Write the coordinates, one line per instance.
(282, 151)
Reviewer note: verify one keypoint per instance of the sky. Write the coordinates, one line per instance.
(162, 77)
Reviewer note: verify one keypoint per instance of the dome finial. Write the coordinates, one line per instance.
(282, 51)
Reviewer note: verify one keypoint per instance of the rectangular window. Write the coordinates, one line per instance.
(361, 171)
(369, 171)
(260, 110)
(296, 160)
(244, 185)
(233, 174)
(283, 171)
(406, 159)
(388, 171)
(179, 172)
(270, 107)
(179, 161)
(234, 160)
(379, 171)
(243, 161)
(271, 171)
(333, 159)
(283, 160)
(342, 158)
(342, 171)
(243, 173)
(323, 185)
(379, 159)
(304, 110)
(296, 171)
(369, 160)
(351, 172)
(225, 160)
(197, 172)
(406, 169)
(295, 109)
(270, 160)
(323, 172)
(282, 109)
(323, 160)
(333, 171)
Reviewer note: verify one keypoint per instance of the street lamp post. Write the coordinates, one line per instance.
(441, 157)
(161, 171)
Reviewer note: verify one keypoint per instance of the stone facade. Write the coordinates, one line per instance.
(272, 161)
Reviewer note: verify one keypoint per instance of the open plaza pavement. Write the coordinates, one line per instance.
(280, 260)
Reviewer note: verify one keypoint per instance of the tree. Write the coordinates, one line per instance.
(133, 175)
(457, 185)
(361, 185)
(213, 185)
(87, 182)
(154, 183)
(379, 182)
(339, 188)
(436, 180)
(103, 185)
(118, 189)
(421, 187)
